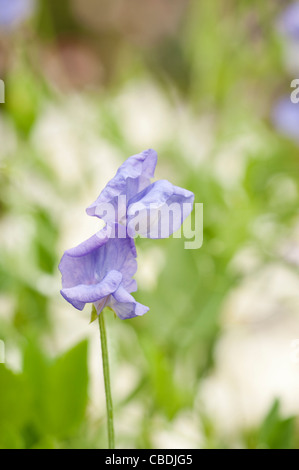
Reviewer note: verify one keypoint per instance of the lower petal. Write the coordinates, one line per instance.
(125, 306)
(81, 294)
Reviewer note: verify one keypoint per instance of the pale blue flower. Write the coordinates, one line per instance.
(286, 118)
(100, 271)
(13, 12)
(130, 199)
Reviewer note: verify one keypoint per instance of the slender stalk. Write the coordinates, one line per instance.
(109, 406)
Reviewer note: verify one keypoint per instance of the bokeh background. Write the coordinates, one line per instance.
(214, 363)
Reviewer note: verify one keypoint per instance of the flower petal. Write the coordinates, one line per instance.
(125, 306)
(92, 293)
(132, 177)
(90, 261)
(95, 268)
(159, 210)
(15, 11)
(286, 118)
(288, 23)
(92, 243)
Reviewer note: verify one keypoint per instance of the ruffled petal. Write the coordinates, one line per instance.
(132, 177)
(91, 244)
(125, 306)
(81, 294)
(95, 268)
(90, 261)
(159, 210)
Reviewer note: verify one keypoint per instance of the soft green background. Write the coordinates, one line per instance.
(87, 85)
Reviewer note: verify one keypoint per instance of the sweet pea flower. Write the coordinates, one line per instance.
(13, 12)
(100, 271)
(152, 210)
(288, 23)
(285, 117)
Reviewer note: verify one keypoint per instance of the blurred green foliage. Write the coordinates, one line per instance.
(223, 61)
(46, 403)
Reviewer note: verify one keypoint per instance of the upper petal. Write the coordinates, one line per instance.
(159, 210)
(131, 177)
(92, 243)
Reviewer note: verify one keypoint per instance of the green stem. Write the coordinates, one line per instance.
(107, 381)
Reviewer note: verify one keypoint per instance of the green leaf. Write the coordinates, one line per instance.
(169, 395)
(35, 368)
(65, 395)
(275, 432)
(15, 407)
(93, 314)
